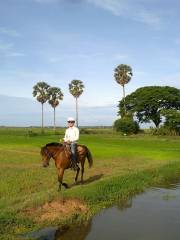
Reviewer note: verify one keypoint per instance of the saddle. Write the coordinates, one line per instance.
(68, 153)
(68, 149)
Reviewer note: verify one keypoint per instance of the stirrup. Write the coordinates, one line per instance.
(75, 167)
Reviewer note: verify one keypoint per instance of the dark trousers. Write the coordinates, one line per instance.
(73, 147)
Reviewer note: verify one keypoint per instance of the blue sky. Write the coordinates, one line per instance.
(60, 40)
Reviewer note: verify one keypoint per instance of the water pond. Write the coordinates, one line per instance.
(154, 214)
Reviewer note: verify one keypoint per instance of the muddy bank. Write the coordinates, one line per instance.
(53, 210)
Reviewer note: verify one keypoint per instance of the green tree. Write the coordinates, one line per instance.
(40, 91)
(123, 74)
(146, 103)
(76, 88)
(172, 120)
(126, 125)
(55, 95)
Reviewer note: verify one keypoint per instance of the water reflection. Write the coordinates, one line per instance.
(124, 204)
(154, 214)
(55, 233)
(76, 233)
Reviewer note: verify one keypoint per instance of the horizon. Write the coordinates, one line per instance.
(20, 117)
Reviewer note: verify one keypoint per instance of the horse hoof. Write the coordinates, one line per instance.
(65, 185)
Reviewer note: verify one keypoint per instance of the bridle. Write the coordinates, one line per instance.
(50, 155)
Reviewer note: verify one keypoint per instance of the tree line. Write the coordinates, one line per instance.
(146, 104)
(53, 95)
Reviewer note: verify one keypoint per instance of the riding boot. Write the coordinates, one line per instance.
(74, 156)
(74, 163)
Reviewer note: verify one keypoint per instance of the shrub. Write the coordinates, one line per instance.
(84, 131)
(30, 133)
(171, 125)
(126, 125)
(172, 121)
(96, 130)
(164, 131)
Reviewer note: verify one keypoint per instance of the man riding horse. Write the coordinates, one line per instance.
(63, 158)
(71, 137)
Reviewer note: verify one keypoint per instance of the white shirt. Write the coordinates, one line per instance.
(71, 134)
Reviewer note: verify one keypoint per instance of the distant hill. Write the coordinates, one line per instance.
(17, 111)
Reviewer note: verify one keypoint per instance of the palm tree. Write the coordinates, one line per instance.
(40, 91)
(123, 74)
(76, 89)
(54, 95)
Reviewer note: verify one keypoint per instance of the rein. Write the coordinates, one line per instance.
(50, 155)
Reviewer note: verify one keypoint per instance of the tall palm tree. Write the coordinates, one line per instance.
(76, 88)
(40, 91)
(54, 95)
(123, 74)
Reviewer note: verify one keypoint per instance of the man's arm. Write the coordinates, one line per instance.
(65, 136)
(76, 134)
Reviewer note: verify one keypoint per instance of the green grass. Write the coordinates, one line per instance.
(122, 167)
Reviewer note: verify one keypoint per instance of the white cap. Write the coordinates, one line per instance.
(70, 119)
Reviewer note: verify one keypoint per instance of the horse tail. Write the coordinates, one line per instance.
(89, 157)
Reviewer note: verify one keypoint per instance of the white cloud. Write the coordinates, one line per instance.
(130, 9)
(81, 56)
(6, 46)
(120, 56)
(9, 32)
(27, 112)
(15, 54)
(7, 50)
(46, 1)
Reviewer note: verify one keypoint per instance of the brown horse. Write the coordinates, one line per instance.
(62, 157)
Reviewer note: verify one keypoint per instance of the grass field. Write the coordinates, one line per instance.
(123, 166)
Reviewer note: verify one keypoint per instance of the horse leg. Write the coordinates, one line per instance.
(60, 177)
(82, 171)
(77, 174)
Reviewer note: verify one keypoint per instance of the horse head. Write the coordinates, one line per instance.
(46, 156)
(47, 152)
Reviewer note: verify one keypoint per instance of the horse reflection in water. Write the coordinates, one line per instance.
(75, 233)
(62, 157)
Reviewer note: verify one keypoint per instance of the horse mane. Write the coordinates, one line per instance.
(54, 144)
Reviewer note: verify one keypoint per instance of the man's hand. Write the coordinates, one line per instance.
(67, 142)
